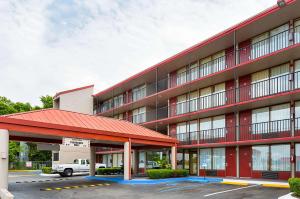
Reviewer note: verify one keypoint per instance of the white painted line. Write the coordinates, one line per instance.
(211, 194)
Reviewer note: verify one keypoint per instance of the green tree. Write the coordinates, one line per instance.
(47, 101)
(8, 107)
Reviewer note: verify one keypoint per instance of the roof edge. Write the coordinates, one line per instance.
(200, 44)
(72, 90)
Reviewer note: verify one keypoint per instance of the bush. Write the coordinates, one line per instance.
(109, 171)
(166, 173)
(47, 170)
(295, 185)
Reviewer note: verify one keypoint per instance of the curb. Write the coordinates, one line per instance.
(283, 186)
(235, 183)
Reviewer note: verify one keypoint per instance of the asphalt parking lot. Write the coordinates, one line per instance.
(31, 185)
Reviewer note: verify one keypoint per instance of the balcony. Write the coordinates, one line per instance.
(256, 131)
(197, 72)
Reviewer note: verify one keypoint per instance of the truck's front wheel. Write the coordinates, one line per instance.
(68, 172)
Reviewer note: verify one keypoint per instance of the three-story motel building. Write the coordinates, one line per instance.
(233, 100)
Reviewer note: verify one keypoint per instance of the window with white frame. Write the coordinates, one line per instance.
(193, 129)
(297, 74)
(271, 157)
(181, 76)
(181, 131)
(219, 95)
(271, 119)
(297, 32)
(182, 105)
(205, 159)
(194, 71)
(297, 115)
(213, 127)
(212, 158)
(218, 61)
(260, 84)
(279, 38)
(205, 67)
(139, 92)
(297, 153)
(260, 45)
(193, 101)
(108, 104)
(218, 158)
(118, 100)
(206, 97)
(279, 79)
(139, 115)
(260, 158)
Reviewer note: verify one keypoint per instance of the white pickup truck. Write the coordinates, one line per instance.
(78, 166)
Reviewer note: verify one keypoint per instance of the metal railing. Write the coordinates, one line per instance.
(252, 51)
(255, 131)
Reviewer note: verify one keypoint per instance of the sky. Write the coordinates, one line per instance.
(47, 46)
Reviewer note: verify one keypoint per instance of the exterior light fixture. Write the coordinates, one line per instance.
(281, 3)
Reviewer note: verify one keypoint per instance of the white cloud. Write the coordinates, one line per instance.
(52, 45)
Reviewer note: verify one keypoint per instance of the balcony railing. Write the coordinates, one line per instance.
(246, 53)
(268, 87)
(256, 131)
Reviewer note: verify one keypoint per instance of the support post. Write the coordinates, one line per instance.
(92, 161)
(4, 139)
(173, 157)
(237, 153)
(127, 160)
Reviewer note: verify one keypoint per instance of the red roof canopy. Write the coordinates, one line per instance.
(83, 123)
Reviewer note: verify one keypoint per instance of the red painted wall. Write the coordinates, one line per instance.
(172, 130)
(245, 51)
(245, 88)
(173, 79)
(230, 121)
(173, 102)
(230, 161)
(229, 57)
(230, 92)
(245, 121)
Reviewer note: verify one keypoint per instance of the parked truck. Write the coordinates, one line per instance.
(78, 166)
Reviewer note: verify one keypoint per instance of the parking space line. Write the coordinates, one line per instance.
(74, 187)
(211, 194)
(35, 181)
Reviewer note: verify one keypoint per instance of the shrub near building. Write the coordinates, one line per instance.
(166, 173)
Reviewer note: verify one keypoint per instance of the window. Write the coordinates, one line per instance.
(219, 95)
(297, 115)
(297, 31)
(181, 131)
(212, 158)
(193, 129)
(260, 84)
(297, 74)
(76, 161)
(260, 156)
(119, 116)
(181, 76)
(219, 158)
(118, 101)
(218, 61)
(205, 97)
(194, 97)
(297, 153)
(55, 156)
(205, 159)
(280, 158)
(279, 80)
(107, 105)
(180, 160)
(82, 162)
(279, 38)
(212, 127)
(271, 119)
(271, 158)
(194, 71)
(138, 93)
(181, 105)
(260, 45)
(142, 160)
(205, 67)
(139, 115)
